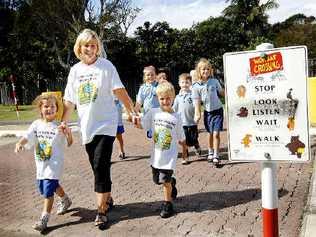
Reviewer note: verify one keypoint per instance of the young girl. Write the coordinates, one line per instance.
(206, 90)
(146, 95)
(91, 87)
(49, 144)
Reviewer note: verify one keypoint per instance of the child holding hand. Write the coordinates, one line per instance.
(167, 128)
(49, 142)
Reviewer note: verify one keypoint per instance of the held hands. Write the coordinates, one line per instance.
(136, 121)
(18, 147)
(63, 128)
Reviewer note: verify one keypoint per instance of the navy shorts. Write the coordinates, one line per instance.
(120, 129)
(47, 187)
(213, 121)
(161, 176)
(191, 135)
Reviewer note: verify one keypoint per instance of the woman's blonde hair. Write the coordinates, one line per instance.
(200, 63)
(84, 37)
(38, 102)
(165, 88)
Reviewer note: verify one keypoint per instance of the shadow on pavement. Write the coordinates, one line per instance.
(198, 202)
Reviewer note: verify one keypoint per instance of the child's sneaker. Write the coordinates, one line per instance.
(174, 191)
(122, 156)
(63, 205)
(166, 210)
(216, 160)
(101, 221)
(41, 225)
(210, 158)
(185, 162)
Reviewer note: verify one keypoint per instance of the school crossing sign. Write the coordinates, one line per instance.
(266, 102)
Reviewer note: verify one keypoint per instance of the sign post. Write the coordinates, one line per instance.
(266, 101)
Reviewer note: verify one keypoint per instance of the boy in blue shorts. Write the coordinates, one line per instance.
(207, 90)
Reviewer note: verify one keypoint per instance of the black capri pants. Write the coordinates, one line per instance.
(100, 151)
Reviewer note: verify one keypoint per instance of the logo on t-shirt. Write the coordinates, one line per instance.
(162, 138)
(88, 92)
(43, 150)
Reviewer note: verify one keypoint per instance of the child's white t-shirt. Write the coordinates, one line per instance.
(49, 146)
(90, 88)
(167, 131)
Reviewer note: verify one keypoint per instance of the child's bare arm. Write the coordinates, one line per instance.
(19, 146)
(137, 107)
(69, 136)
(222, 92)
(197, 111)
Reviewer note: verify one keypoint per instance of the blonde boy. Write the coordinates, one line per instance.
(167, 127)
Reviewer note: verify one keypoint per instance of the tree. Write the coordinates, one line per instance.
(250, 17)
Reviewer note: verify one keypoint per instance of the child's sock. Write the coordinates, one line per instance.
(210, 151)
(216, 153)
(64, 197)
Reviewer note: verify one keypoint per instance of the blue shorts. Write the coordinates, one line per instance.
(120, 129)
(213, 121)
(47, 187)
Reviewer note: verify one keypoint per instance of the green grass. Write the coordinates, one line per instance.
(26, 112)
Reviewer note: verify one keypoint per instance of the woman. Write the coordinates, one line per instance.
(91, 87)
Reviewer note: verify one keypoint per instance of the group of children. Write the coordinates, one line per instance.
(168, 119)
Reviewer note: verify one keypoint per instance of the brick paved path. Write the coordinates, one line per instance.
(212, 201)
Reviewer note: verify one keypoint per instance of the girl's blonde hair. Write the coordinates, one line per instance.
(84, 37)
(200, 63)
(166, 88)
(38, 102)
(148, 68)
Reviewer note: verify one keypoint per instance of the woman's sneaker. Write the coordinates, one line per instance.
(166, 210)
(41, 225)
(63, 205)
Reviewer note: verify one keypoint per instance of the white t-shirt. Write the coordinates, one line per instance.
(167, 131)
(90, 88)
(49, 146)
